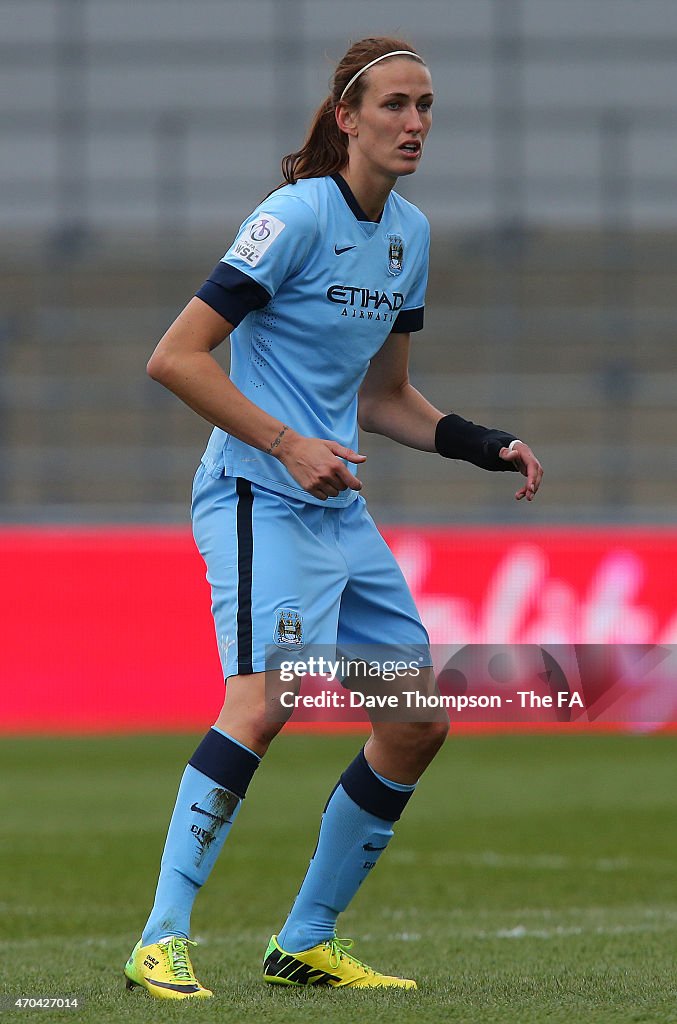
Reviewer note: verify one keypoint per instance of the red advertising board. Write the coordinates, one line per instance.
(584, 586)
(110, 629)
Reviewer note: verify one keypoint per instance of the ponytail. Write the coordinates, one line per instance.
(324, 152)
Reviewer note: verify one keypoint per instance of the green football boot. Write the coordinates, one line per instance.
(329, 963)
(164, 969)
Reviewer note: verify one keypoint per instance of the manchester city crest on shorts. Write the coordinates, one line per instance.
(395, 254)
(288, 628)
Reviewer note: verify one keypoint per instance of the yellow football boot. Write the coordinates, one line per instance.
(164, 969)
(329, 963)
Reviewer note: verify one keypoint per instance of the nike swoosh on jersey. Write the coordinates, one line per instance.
(344, 248)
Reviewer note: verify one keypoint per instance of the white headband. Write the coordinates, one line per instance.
(395, 53)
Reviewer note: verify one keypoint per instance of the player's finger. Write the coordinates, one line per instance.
(528, 490)
(534, 475)
(346, 453)
(327, 489)
(344, 478)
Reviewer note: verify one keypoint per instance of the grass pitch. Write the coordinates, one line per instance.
(532, 879)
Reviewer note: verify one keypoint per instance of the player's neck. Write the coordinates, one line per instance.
(371, 193)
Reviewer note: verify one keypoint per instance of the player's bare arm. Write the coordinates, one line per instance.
(183, 363)
(391, 406)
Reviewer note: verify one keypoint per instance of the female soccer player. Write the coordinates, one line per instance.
(319, 293)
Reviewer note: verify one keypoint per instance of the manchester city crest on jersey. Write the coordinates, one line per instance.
(288, 628)
(395, 254)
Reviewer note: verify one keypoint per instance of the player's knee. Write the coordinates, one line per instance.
(263, 729)
(253, 724)
(415, 742)
(431, 735)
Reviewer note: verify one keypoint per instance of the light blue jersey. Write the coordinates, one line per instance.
(313, 289)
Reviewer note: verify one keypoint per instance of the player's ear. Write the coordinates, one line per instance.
(346, 119)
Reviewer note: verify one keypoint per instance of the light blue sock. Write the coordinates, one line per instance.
(206, 806)
(351, 840)
(399, 787)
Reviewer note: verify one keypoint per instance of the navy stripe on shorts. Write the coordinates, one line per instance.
(245, 552)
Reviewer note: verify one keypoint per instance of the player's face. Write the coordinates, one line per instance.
(390, 128)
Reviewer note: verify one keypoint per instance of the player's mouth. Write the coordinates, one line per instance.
(411, 149)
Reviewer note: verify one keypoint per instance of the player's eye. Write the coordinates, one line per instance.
(393, 105)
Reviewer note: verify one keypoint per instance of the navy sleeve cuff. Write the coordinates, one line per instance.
(232, 294)
(408, 321)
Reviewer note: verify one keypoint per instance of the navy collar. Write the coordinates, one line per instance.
(352, 202)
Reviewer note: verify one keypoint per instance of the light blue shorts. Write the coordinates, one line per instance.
(286, 574)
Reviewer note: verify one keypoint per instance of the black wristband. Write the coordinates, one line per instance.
(456, 438)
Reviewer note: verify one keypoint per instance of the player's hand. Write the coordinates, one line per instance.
(316, 464)
(526, 463)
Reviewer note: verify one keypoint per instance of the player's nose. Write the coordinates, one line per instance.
(414, 121)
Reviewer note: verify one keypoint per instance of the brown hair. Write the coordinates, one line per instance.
(325, 149)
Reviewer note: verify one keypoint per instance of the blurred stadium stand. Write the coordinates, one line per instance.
(135, 135)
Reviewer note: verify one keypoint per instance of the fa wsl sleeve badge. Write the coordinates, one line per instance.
(395, 255)
(256, 238)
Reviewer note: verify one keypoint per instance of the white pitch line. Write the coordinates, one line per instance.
(543, 862)
(561, 931)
